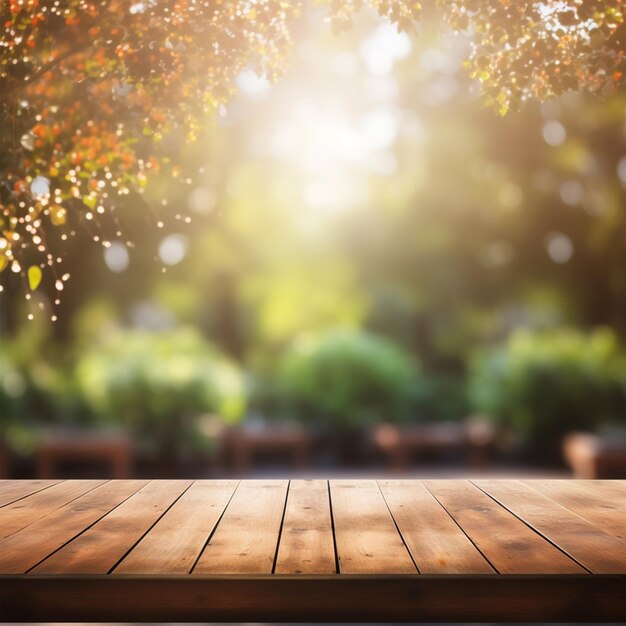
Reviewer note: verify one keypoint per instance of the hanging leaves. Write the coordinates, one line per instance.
(96, 94)
(34, 277)
(524, 49)
(91, 90)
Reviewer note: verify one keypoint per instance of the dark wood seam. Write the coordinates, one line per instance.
(84, 529)
(214, 529)
(565, 506)
(397, 527)
(58, 482)
(535, 530)
(59, 507)
(158, 519)
(332, 528)
(280, 529)
(495, 569)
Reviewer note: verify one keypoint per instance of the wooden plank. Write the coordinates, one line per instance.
(437, 544)
(597, 509)
(596, 550)
(13, 490)
(246, 538)
(28, 547)
(306, 541)
(4, 483)
(422, 599)
(173, 545)
(99, 548)
(614, 490)
(367, 539)
(509, 545)
(21, 513)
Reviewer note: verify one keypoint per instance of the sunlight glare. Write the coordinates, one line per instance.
(324, 138)
(334, 194)
(253, 85)
(383, 48)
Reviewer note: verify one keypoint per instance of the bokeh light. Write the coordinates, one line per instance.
(173, 249)
(116, 257)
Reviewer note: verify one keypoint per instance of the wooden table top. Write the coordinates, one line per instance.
(273, 549)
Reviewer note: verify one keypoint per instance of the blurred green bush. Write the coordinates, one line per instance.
(161, 387)
(18, 402)
(37, 389)
(542, 385)
(345, 380)
(157, 384)
(441, 397)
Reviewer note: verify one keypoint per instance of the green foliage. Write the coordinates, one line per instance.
(16, 400)
(545, 384)
(524, 49)
(441, 397)
(444, 249)
(99, 97)
(158, 384)
(36, 389)
(347, 379)
(338, 303)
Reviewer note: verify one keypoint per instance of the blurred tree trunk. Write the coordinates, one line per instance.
(228, 315)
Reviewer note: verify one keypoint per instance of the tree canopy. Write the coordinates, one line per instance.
(97, 97)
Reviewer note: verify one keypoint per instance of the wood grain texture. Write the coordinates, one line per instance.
(100, 547)
(246, 538)
(593, 507)
(365, 534)
(268, 529)
(306, 543)
(416, 598)
(437, 544)
(12, 490)
(24, 512)
(596, 550)
(28, 547)
(509, 545)
(614, 490)
(173, 545)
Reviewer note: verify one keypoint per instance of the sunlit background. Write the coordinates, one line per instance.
(367, 271)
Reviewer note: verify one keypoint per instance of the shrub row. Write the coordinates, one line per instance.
(158, 386)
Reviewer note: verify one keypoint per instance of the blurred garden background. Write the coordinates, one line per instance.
(369, 271)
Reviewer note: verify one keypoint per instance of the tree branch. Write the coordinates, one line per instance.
(42, 70)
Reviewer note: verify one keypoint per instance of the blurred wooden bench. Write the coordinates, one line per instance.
(113, 451)
(242, 445)
(402, 443)
(591, 456)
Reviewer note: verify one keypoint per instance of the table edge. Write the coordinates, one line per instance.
(301, 598)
